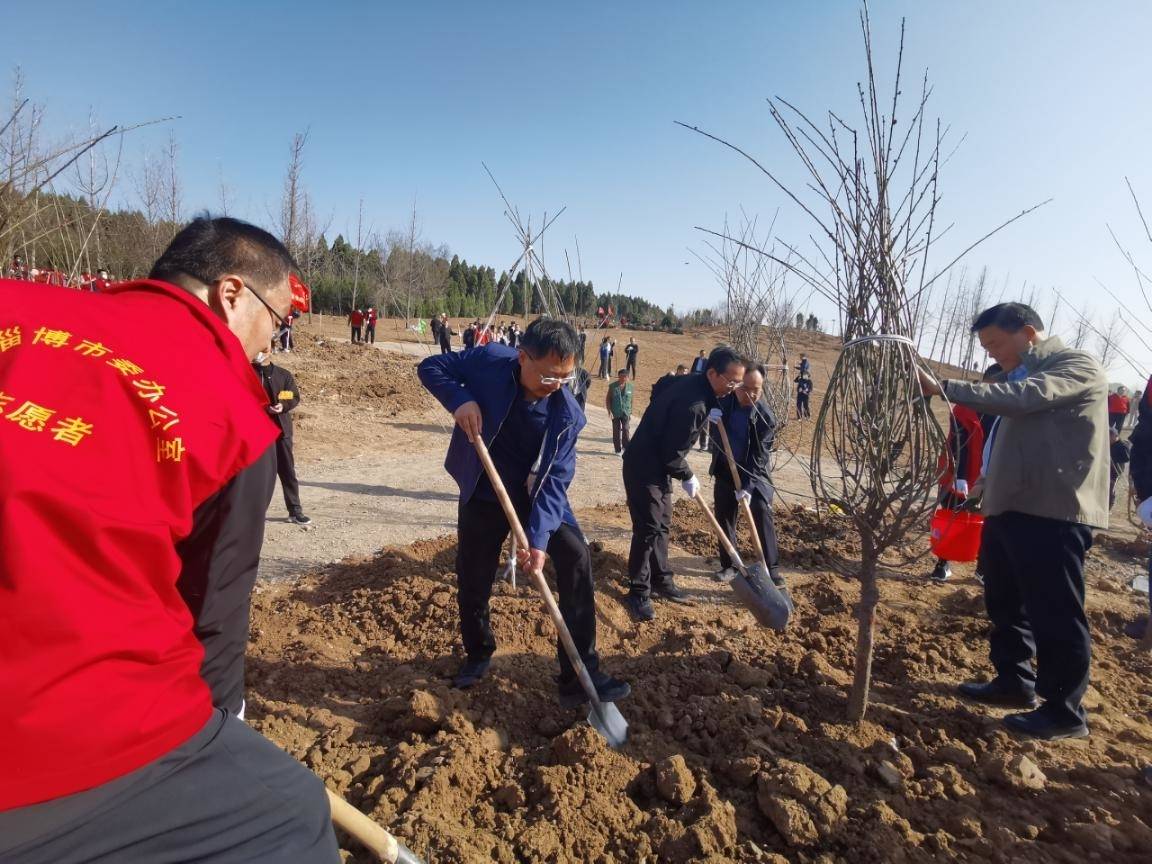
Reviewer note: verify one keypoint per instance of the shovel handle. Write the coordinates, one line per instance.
(720, 535)
(538, 578)
(744, 505)
(370, 835)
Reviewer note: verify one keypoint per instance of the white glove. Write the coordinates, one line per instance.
(715, 415)
(961, 487)
(691, 486)
(1144, 511)
(743, 495)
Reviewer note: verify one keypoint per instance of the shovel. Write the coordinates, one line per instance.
(370, 835)
(604, 717)
(756, 591)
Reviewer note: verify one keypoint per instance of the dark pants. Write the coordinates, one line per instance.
(370, 333)
(1033, 572)
(1116, 421)
(620, 432)
(228, 795)
(445, 347)
(727, 515)
(632, 366)
(355, 334)
(481, 532)
(802, 406)
(286, 471)
(605, 365)
(650, 505)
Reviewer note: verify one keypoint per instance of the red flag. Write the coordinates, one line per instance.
(301, 294)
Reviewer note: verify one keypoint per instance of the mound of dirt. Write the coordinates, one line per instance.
(736, 750)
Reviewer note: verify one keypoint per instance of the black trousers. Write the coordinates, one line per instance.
(355, 334)
(370, 333)
(286, 471)
(727, 515)
(228, 795)
(802, 406)
(650, 505)
(620, 432)
(1116, 421)
(632, 366)
(481, 533)
(1033, 572)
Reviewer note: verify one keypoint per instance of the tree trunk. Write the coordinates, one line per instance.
(866, 620)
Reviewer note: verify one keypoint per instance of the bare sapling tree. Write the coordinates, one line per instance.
(877, 442)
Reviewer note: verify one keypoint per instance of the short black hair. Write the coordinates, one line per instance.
(753, 366)
(1012, 317)
(207, 248)
(723, 357)
(546, 336)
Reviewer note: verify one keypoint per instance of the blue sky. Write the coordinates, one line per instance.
(573, 105)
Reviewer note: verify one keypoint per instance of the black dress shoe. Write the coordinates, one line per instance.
(609, 689)
(470, 673)
(639, 607)
(995, 692)
(1040, 724)
(669, 591)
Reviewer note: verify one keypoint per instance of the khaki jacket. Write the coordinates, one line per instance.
(1050, 454)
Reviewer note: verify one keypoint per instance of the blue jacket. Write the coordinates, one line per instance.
(487, 376)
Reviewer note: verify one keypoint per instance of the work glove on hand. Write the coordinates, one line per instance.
(743, 495)
(715, 415)
(691, 486)
(1144, 511)
(961, 487)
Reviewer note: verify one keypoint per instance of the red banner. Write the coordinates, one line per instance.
(301, 294)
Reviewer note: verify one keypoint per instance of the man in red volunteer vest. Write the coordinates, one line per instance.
(128, 473)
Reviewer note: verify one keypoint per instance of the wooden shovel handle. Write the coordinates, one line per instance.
(744, 505)
(370, 835)
(720, 535)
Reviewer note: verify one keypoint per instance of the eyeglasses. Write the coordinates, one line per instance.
(279, 318)
(549, 381)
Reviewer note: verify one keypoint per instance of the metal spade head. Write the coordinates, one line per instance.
(606, 719)
(767, 603)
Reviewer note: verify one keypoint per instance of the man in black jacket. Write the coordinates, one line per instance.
(657, 452)
(751, 429)
(1140, 474)
(283, 397)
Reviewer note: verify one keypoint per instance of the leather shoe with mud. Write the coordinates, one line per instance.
(669, 591)
(996, 692)
(1040, 724)
(470, 673)
(639, 607)
(609, 689)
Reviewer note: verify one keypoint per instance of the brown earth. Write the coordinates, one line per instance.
(737, 748)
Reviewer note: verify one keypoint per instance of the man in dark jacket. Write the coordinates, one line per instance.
(657, 452)
(517, 402)
(283, 397)
(751, 429)
(1140, 475)
(445, 336)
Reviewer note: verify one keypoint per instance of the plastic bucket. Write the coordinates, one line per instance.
(956, 534)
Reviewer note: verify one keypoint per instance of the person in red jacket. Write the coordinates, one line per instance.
(115, 452)
(370, 326)
(356, 320)
(1118, 407)
(960, 465)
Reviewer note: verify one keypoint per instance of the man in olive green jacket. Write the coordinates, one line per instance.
(1046, 487)
(619, 405)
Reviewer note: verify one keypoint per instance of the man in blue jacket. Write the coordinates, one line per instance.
(516, 401)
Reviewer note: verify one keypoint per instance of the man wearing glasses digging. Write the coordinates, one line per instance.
(516, 401)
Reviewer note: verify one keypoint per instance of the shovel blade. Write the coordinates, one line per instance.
(609, 722)
(769, 605)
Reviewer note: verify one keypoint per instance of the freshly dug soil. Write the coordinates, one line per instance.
(737, 748)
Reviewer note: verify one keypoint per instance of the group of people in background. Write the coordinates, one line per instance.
(83, 281)
(363, 325)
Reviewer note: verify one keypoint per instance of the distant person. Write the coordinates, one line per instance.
(513, 335)
(580, 384)
(618, 402)
(657, 454)
(700, 363)
(468, 337)
(611, 356)
(284, 336)
(630, 352)
(437, 323)
(356, 322)
(605, 362)
(1120, 452)
(370, 326)
(583, 345)
(805, 368)
(803, 393)
(446, 335)
(283, 397)
(1118, 407)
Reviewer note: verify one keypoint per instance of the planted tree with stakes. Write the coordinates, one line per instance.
(877, 442)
